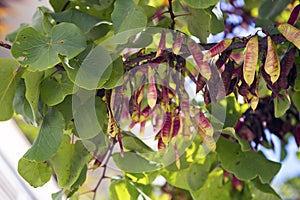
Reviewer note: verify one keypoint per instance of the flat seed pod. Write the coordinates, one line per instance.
(178, 43)
(165, 132)
(272, 63)
(218, 48)
(176, 126)
(152, 92)
(197, 54)
(162, 44)
(204, 125)
(291, 33)
(250, 60)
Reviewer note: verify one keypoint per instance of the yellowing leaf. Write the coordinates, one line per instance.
(250, 60)
(218, 48)
(291, 33)
(272, 63)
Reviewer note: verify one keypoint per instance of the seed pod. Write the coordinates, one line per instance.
(152, 92)
(120, 144)
(237, 184)
(218, 48)
(250, 60)
(162, 44)
(204, 125)
(272, 63)
(286, 65)
(176, 126)
(177, 44)
(165, 132)
(294, 15)
(139, 95)
(200, 83)
(161, 144)
(177, 157)
(142, 128)
(291, 33)
(197, 54)
(112, 128)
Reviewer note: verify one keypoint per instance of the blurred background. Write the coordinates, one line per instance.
(13, 143)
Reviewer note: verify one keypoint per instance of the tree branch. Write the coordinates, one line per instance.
(277, 39)
(5, 45)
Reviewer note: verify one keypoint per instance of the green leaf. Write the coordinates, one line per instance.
(241, 164)
(90, 115)
(116, 76)
(122, 189)
(125, 163)
(99, 30)
(83, 20)
(244, 143)
(68, 168)
(216, 24)
(262, 191)
(270, 9)
(32, 94)
(11, 37)
(127, 16)
(199, 28)
(55, 88)
(296, 99)
(133, 143)
(40, 52)
(58, 5)
(281, 106)
(213, 188)
(41, 20)
(9, 79)
(81, 179)
(297, 82)
(197, 176)
(35, 173)
(58, 195)
(21, 104)
(94, 70)
(200, 3)
(233, 111)
(48, 139)
(65, 108)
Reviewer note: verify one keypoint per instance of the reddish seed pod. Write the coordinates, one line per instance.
(237, 184)
(197, 54)
(161, 144)
(200, 83)
(204, 125)
(176, 126)
(120, 144)
(162, 44)
(165, 132)
(294, 15)
(218, 48)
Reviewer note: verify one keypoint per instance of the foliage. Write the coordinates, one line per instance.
(89, 73)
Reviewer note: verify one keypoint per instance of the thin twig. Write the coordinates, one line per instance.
(277, 39)
(65, 6)
(5, 45)
(103, 176)
(172, 15)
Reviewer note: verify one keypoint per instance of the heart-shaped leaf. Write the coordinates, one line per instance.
(41, 52)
